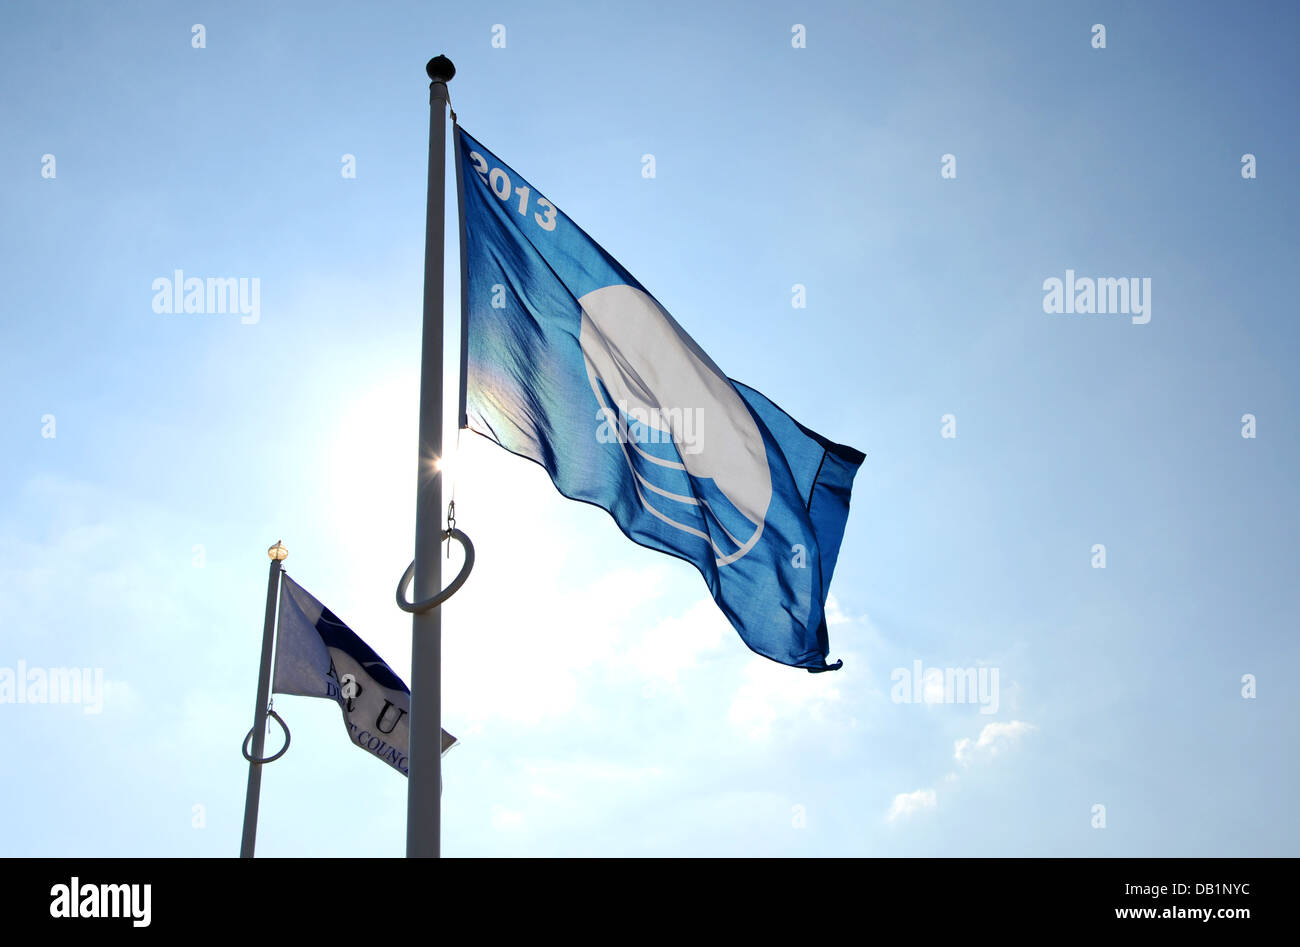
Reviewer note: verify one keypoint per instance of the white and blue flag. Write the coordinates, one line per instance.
(568, 361)
(316, 655)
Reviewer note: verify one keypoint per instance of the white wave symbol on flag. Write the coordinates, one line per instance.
(706, 472)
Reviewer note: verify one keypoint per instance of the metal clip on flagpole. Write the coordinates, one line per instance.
(270, 712)
(419, 608)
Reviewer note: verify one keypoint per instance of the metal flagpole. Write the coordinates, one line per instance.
(278, 554)
(424, 782)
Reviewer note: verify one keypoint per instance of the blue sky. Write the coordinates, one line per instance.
(604, 705)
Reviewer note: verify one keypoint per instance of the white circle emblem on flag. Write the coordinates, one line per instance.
(656, 374)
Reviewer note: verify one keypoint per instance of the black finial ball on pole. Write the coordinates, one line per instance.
(440, 69)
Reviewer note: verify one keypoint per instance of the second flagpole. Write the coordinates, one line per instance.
(253, 795)
(424, 782)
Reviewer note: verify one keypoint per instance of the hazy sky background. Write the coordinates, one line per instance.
(604, 705)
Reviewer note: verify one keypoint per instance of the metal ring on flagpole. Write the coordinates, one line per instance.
(283, 749)
(417, 608)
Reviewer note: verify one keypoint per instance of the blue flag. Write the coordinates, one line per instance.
(571, 363)
(316, 655)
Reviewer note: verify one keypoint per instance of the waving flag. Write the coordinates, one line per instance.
(316, 655)
(570, 362)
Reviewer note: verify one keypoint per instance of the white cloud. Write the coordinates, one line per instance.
(932, 689)
(120, 696)
(834, 615)
(909, 803)
(675, 644)
(771, 692)
(993, 739)
(591, 772)
(505, 820)
(534, 622)
(555, 785)
(549, 645)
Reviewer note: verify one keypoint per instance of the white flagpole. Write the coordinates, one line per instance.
(424, 782)
(278, 554)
